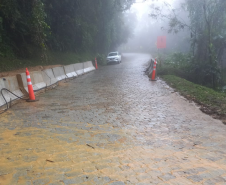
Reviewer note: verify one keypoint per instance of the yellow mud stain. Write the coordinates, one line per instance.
(63, 83)
(6, 116)
(45, 153)
(5, 179)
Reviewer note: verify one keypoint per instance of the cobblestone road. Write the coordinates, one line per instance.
(112, 126)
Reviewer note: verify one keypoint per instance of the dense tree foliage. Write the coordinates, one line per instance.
(206, 21)
(208, 36)
(61, 25)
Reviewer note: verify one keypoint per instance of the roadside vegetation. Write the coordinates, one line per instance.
(204, 25)
(181, 73)
(62, 58)
(183, 65)
(44, 32)
(199, 74)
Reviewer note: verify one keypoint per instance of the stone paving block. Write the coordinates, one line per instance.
(195, 178)
(117, 183)
(55, 183)
(143, 177)
(76, 180)
(25, 183)
(215, 181)
(167, 177)
(41, 181)
(73, 174)
(156, 181)
(101, 180)
(155, 174)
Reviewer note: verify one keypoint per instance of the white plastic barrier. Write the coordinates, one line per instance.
(49, 77)
(150, 67)
(70, 71)
(88, 66)
(59, 73)
(79, 68)
(36, 80)
(11, 84)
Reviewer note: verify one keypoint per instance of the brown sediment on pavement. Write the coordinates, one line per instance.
(45, 153)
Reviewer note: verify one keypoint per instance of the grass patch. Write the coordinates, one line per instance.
(169, 70)
(69, 58)
(53, 58)
(212, 102)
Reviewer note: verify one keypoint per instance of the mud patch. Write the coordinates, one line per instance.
(18, 71)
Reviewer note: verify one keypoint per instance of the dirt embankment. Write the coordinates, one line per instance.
(22, 70)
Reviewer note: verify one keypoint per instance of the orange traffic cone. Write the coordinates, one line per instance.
(30, 88)
(96, 63)
(154, 71)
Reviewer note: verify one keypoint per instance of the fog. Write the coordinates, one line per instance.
(147, 29)
(190, 27)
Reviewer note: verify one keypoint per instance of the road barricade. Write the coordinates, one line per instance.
(150, 68)
(49, 77)
(11, 84)
(79, 68)
(70, 71)
(37, 80)
(88, 66)
(153, 77)
(59, 73)
(40, 80)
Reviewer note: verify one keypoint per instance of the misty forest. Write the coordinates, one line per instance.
(32, 29)
(41, 32)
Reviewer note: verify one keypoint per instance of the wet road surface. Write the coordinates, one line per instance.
(112, 126)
